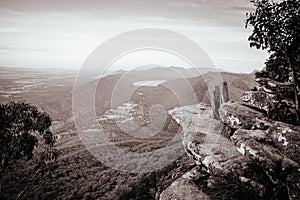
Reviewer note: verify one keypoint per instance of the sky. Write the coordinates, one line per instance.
(63, 33)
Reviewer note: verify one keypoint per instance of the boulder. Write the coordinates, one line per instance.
(181, 189)
(271, 145)
(286, 138)
(216, 154)
(217, 102)
(237, 116)
(255, 145)
(293, 185)
(258, 99)
(263, 154)
(203, 141)
(220, 95)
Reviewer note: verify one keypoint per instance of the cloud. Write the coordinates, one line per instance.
(187, 3)
(8, 12)
(11, 48)
(63, 33)
(237, 59)
(242, 8)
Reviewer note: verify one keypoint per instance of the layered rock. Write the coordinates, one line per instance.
(220, 95)
(258, 99)
(272, 146)
(262, 154)
(203, 141)
(239, 141)
(237, 116)
(181, 189)
(277, 102)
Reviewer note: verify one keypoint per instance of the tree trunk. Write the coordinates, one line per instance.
(3, 166)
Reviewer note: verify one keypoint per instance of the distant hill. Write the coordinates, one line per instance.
(52, 89)
(151, 72)
(122, 84)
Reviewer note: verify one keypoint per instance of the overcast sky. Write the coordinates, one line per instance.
(62, 33)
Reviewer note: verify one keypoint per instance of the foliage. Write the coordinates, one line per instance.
(276, 29)
(20, 126)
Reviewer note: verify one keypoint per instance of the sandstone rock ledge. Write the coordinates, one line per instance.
(259, 155)
(271, 145)
(183, 188)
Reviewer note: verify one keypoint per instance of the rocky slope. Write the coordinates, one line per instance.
(245, 153)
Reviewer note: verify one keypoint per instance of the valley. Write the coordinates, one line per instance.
(128, 123)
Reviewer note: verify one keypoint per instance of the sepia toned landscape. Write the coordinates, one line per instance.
(172, 100)
(51, 91)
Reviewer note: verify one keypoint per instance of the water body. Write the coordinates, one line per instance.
(149, 83)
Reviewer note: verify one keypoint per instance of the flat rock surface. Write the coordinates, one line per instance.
(183, 189)
(248, 138)
(203, 141)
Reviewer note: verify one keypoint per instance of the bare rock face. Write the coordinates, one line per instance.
(258, 99)
(182, 189)
(265, 100)
(263, 154)
(273, 146)
(216, 102)
(238, 116)
(203, 141)
(253, 146)
(220, 95)
(286, 138)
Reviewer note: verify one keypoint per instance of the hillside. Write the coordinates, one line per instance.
(77, 173)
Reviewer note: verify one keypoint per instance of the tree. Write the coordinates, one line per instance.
(276, 29)
(20, 125)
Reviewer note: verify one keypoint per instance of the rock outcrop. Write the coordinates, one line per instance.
(203, 141)
(273, 146)
(276, 101)
(183, 188)
(258, 99)
(221, 95)
(258, 155)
